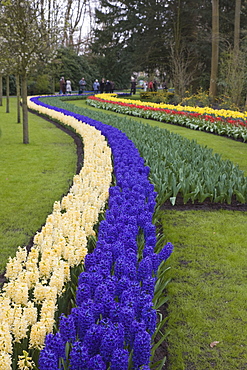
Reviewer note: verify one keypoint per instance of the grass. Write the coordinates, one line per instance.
(207, 292)
(32, 177)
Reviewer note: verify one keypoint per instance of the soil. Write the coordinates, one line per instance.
(206, 206)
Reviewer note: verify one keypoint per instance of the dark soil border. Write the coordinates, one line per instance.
(207, 205)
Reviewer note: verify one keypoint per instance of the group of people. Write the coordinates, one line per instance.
(152, 86)
(65, 86)
(106, 86)
(98, 87)
(103, 86)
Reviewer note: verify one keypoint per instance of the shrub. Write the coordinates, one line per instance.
(200, 99)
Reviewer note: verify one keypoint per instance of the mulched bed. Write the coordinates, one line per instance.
(207, 205)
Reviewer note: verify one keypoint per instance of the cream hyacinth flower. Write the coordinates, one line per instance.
(5, 338)
(25, 362)
(5, 361)
(19, 328)
(37, 335)
(60, 245)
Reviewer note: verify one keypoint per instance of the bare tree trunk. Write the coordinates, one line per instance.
(17, 79)
(7, 94)
(236, 49)
(177, 28)
(24, 109)
(237, 25)
(67, 15)
(1, 89)
(215, 49)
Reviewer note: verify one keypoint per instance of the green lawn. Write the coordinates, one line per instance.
(32, 177)
(208, 290)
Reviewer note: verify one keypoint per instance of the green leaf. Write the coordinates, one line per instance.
(239, 196)
(160, 302)
(160, 364)
(160, 326)
(156, 345)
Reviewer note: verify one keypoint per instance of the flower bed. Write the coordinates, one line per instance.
(221, 122)
(115, 316)
(119, 277)
(179, 167)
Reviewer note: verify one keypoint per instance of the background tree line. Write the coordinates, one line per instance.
(189, 44)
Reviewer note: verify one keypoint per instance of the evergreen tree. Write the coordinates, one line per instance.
(131, 35)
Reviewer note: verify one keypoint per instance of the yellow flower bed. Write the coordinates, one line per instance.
(61, 244)
(206, 110)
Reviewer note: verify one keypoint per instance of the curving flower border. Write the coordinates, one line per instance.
(115, 293)
(232, 124)
(207, 112)
(36, 280)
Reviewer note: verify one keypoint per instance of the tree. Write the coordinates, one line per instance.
(215, 49)
(7, 93)
(17, 80)
(28, 40)
(131, 34)
(74, 20)
(1, 89)
(189, 43)
(183, 70)
(233, 63)
(237, 25)
(8, 65)
(73, 66)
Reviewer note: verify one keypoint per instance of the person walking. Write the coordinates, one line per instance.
(82, 85)
(96, 86)
(62, 84)
(108, 86)
(68, 86)
(112, 87)
(102, 85)
(155, 86)
(150, 86)
(133, 86)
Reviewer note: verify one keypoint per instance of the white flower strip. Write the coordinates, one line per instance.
(61, 244)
